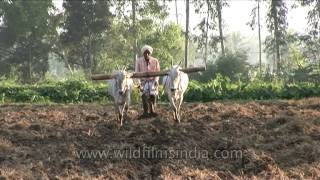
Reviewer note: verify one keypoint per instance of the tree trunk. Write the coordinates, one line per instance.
(276, 35)
(29, 73)
(318, 4)
(94, 60)
(135, 41)
(207, 29)
(274, 68)
(186, 35)
(259, 33)
(219, 9)
(90, 67)
(177, 17)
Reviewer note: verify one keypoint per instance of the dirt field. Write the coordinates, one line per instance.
(279, 139)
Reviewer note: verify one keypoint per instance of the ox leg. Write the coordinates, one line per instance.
(172, 102)
(179, 108)
(117, 111)
(120, 114)
(124, 111)
(128, 96)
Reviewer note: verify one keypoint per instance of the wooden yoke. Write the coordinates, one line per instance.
(148, 74)
(193, 69)
(102, 77)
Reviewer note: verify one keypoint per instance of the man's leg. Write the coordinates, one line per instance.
(145, 104)
(152, 105)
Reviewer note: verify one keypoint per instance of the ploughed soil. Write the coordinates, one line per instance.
(216, 140)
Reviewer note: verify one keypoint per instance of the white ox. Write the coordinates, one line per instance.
(175, 84)
(120, 87)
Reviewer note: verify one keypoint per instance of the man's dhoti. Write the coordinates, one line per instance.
(149, 94)
(149, 88)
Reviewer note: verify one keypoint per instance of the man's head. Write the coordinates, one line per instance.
(146, 51)
(146, 54)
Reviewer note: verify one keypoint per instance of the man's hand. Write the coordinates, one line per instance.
(140, 88)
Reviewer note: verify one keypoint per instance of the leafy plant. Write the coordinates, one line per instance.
(220, 88)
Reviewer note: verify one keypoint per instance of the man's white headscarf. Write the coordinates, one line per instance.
(147, 47)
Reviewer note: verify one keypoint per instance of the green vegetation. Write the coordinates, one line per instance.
(71, 91)
(82, 91)
(37, 39)
(222, 88)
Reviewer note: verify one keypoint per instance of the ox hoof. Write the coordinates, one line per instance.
(154, 114)
(143, 116)
(178, 120)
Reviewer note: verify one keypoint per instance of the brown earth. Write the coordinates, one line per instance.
(277, 140)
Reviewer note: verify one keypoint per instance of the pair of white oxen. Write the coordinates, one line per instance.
(121, 83)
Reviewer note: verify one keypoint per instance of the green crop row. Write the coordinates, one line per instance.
(60, 92)
(220, 88)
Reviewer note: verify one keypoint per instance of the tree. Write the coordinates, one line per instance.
(312, 40)
(256, 22)
(186, 35)
(204, 26)
(206, 36)
(149, 29)
(219, 5)
(232, 65)
(207, 39)
(85, 25)
(135, 42)
(236, 42)
(277, 25)
(168, 45)
(176, 6)
(27, 32)
(313, 16)
(144, 11)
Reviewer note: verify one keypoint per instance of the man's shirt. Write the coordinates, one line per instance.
(143, 66)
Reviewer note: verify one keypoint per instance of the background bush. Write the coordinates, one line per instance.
(71, 91)
(219, 88)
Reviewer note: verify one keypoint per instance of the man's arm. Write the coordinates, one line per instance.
(157, 69)
(137, 68)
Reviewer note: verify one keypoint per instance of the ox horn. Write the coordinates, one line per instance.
(102, 76)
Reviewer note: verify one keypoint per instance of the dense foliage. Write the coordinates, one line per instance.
(220, 88)
(38, 38)
(72, 91)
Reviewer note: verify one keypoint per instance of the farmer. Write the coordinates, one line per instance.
(148, 86)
